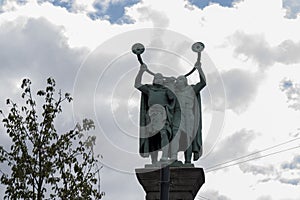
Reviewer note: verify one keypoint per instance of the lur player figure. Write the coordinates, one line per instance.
(187, 119)
(157, 101)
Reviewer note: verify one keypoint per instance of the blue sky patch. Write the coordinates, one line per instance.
(21, 2)
(61, 3)
(1, 4)
(292, 8)
(115, 12)
(203, 3)
(287, 84)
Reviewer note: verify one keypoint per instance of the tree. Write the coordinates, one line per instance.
(43, 163)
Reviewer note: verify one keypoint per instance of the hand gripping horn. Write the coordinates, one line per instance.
(138, 49)
(198, 48)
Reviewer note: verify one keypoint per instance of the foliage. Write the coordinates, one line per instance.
(43, 163)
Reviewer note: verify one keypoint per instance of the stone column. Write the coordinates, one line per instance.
(185, 182)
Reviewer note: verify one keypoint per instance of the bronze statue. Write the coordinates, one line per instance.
(170, 113)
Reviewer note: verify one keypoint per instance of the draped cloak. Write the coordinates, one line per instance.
(149, 143)
(196, 136)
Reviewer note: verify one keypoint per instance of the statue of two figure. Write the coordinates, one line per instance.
(170, 117)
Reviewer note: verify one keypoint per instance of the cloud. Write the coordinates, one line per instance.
(241, 88)
(158, 18)
(231, 147)
(294, 164)
(292, 92)
(291, 181)
(72, 6)
(257, 169)
(292, 8)
(212, 195)
(37, 49)
(238, 91)
(120, 185)
(6, 5)
(257, 48)
(82, 6)
(265, 198)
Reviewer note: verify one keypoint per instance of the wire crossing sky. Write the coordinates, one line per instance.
(254, 153)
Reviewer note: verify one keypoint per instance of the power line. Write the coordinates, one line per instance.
(280, 144)
(226, 162)
(203, 197)
(253, 159)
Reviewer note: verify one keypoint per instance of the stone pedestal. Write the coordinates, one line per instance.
(185, 182)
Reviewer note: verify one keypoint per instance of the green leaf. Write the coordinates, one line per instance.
(41, 93)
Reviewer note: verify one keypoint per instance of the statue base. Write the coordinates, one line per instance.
(185, 182)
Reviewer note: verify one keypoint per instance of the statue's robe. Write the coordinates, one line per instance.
(151, 95)
(193, 135)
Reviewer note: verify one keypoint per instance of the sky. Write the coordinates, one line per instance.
(251, 102)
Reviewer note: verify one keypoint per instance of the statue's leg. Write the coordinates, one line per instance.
(164, 144)
(197, 155)
(174, 144)
(188, 154)
(189, 128)
(176, 134)
(154, 156)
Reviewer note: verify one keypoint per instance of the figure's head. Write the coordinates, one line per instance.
(181, 81)
(169, 80)
(158, 79)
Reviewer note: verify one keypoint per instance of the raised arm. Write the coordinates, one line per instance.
(201, 73)
(199, 86)
(138, 79)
